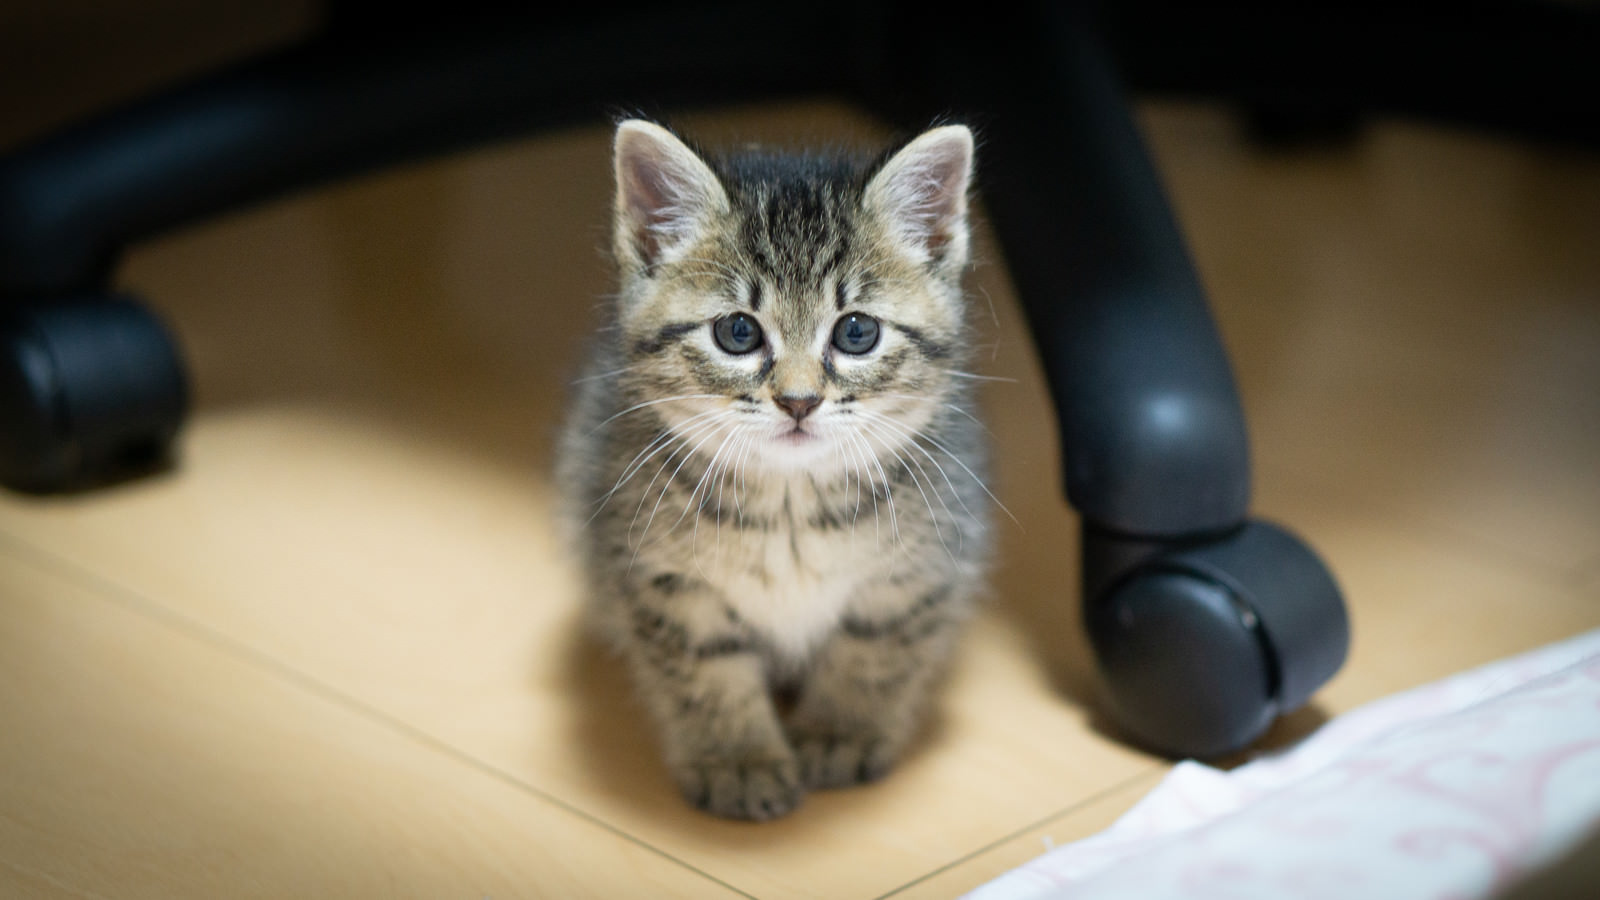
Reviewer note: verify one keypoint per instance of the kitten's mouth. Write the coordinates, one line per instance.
(796, 435)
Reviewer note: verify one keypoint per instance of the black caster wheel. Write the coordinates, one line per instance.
(89, 388)
(1202, 646)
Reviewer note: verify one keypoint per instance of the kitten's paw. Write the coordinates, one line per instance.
(754, 789)
(835, 761)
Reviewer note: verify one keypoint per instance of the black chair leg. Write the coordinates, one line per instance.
(1206, 625)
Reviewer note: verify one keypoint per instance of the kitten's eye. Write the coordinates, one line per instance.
(856, 333)
(737, 334)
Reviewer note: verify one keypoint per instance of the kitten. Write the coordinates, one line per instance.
(772, 473)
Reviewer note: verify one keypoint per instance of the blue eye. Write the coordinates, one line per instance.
(737, 334)
(856, 333)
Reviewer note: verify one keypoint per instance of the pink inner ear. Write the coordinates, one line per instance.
(943, 204)
(945, 185)
(664, 191)
(925, 191)
(646, 205)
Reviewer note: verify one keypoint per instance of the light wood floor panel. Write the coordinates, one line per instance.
(141, 761)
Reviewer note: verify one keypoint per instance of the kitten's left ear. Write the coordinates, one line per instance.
(921, 194)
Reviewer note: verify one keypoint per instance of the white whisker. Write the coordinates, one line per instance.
(698, 505)
(656, 445)
(975, 377)
(888, 493)
(993, 317)
(600, 376)
(911, 440)
(917, 482)
(965, 468)
(730, 472)
(863, 472)
(705, 427)
(656, 402)
(947, 405)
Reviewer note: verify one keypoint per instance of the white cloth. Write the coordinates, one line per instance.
(1447, 791)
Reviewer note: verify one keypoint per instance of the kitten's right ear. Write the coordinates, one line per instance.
(921, 193)
(665, 194)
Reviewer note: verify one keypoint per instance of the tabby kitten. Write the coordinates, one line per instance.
(773, 476)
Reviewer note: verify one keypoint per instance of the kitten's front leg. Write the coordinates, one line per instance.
(707, 690)
(860, 704)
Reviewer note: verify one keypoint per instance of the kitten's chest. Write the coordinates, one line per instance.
(797, 565)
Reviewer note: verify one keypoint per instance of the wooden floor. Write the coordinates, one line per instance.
(333, 652)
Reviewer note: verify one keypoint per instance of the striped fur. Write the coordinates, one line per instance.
(733, 550)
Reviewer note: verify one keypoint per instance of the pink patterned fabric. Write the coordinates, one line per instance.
(1446, 791)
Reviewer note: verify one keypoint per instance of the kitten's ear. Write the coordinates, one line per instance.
(665, 193)
(921, 194)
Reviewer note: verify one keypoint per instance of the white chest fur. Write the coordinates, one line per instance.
(794, 580)
(794, 587)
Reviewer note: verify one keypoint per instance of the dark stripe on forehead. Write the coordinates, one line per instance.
(835, 259)
(665, 337)
(759, 256)
(795, 213)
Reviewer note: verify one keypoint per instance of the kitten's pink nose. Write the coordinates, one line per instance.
(798, 406)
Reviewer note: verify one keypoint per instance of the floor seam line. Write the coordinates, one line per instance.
(1040, 823)
(139, 604)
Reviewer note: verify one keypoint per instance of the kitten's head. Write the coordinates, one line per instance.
(809, 308)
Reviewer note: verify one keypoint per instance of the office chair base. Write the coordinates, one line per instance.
(90, 387)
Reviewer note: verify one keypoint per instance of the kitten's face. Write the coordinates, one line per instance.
(801, 374)
(789, 314)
